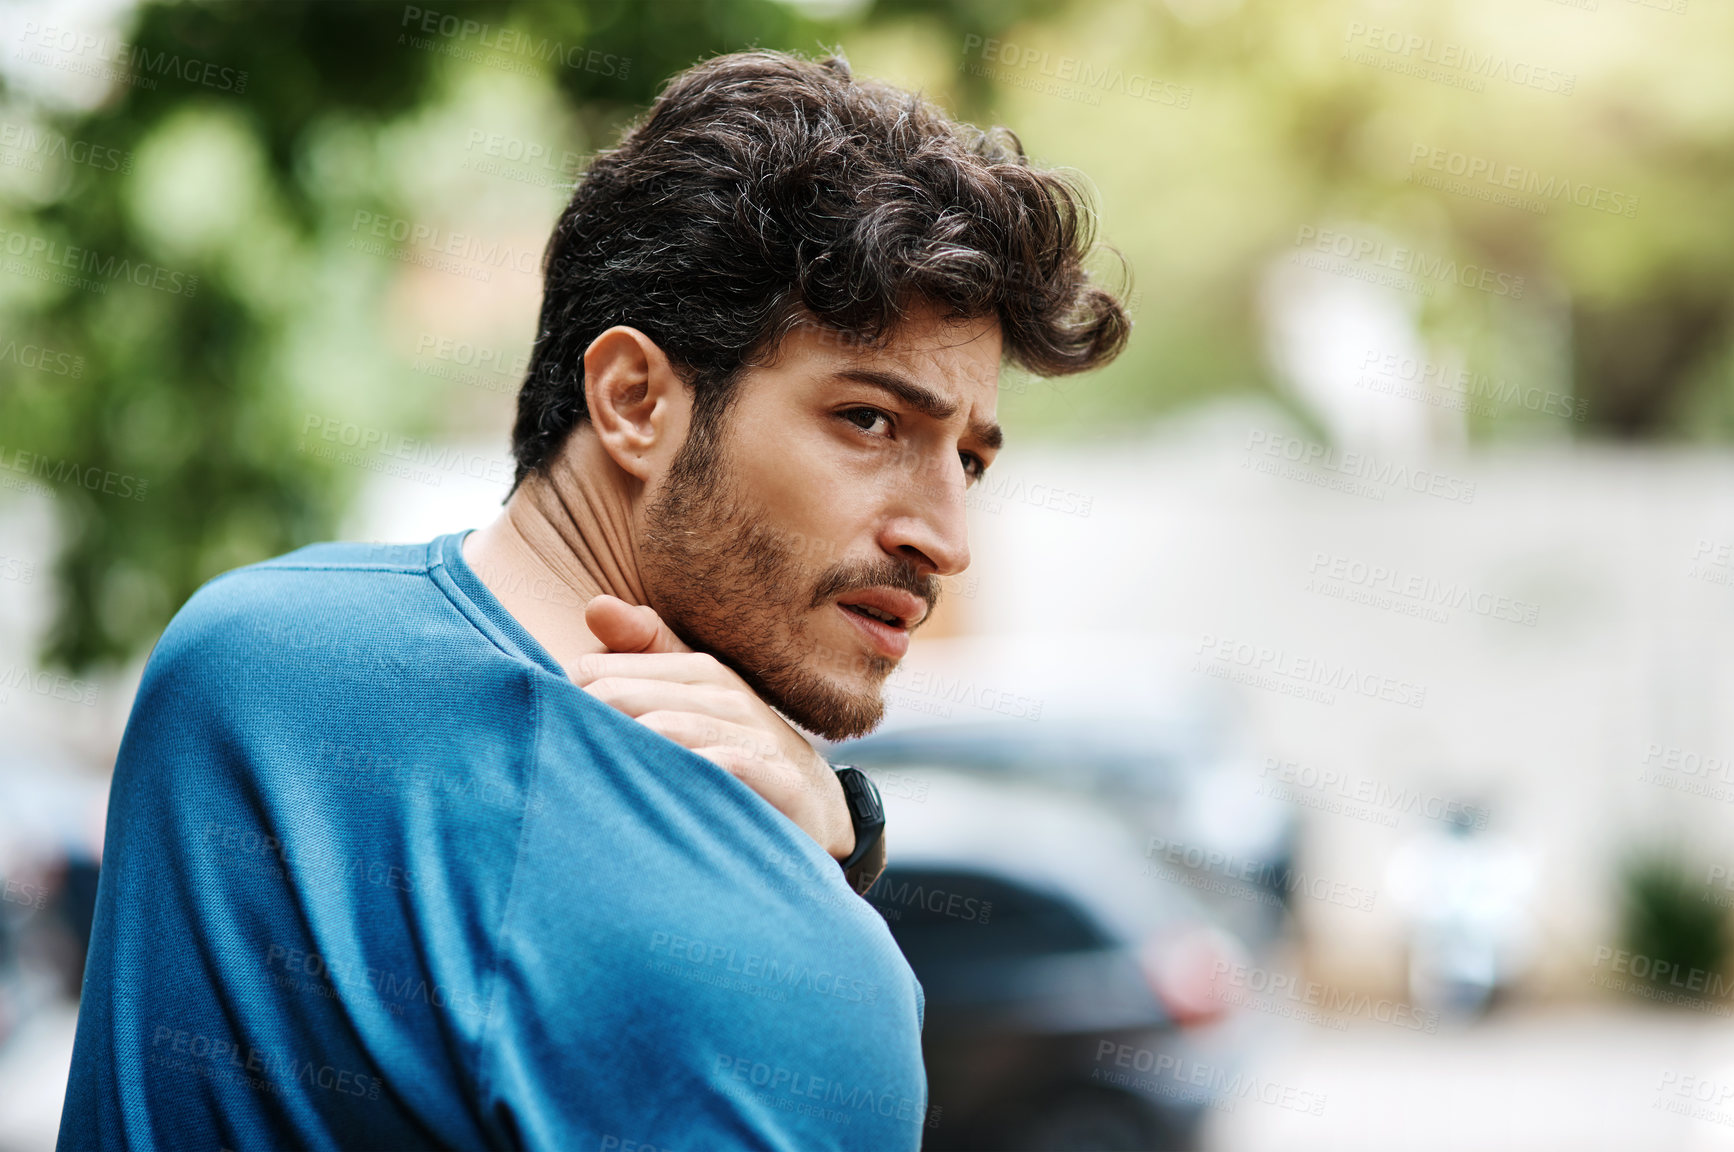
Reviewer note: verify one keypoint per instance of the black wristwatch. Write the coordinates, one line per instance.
(866, 813)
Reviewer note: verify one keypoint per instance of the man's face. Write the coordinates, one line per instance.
(804, 551)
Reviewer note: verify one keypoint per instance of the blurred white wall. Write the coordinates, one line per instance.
(1546, 725)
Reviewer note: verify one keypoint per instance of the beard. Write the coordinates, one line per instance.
(728, 582)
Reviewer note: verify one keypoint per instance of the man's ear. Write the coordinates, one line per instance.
(639, 406)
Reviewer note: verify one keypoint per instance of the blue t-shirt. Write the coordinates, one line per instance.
(379, 876)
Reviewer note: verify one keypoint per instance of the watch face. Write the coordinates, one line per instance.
(863, 797)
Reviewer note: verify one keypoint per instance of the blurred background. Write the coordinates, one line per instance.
(1331, 746)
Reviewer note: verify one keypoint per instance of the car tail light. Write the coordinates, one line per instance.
(1189, 971)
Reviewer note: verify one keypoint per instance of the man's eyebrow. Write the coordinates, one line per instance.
(925, 401)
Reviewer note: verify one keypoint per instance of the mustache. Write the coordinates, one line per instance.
(851, 575)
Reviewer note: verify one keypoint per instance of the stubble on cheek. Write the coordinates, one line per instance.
(728, 583)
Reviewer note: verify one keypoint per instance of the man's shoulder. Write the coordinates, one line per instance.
(345, 555)
(320, 598)
(358, 646)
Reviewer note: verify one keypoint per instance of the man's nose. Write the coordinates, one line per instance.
(930, 529)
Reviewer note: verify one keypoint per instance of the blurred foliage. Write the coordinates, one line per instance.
(1668, 914)
(203, 394)
(193, 391)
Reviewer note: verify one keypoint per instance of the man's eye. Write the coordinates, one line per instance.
(866, 418)
(973, 466)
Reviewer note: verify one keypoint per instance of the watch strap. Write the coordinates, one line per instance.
(867, 814)
(866, 870)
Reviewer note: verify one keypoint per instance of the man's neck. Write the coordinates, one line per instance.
(564, 538)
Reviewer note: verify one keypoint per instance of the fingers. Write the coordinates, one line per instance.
(675, 667)
(636, 696)
(733, 747)
(627, 627)
(801, 787)
(698, 702)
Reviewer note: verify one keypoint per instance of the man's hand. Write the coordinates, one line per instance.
(701, 704)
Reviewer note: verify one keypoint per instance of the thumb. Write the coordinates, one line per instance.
(624, 627)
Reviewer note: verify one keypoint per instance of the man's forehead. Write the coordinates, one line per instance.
(928, 334)
(959, 357)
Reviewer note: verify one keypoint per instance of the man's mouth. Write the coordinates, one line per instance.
(874, 614)
(888, 606)
(884, 617)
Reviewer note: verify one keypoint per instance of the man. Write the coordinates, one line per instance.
(504, 840)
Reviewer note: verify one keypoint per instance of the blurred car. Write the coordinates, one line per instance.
(1066, 988)
(1204, 821)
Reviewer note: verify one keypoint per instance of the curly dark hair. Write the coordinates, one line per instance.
(762, 190)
